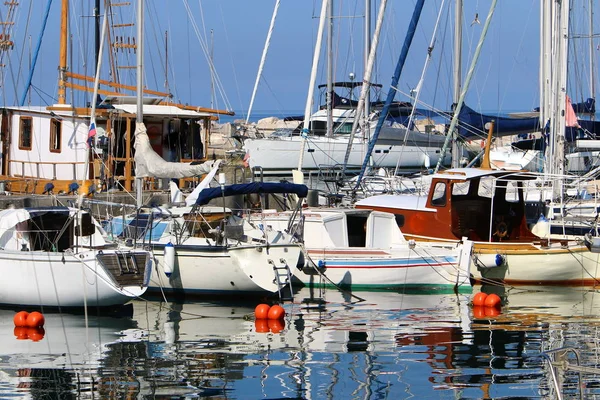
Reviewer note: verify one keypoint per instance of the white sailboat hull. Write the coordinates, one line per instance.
(37, 278)
(224, 270)
(283, 154)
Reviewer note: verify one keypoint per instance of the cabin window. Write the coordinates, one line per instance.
(25, 133)
(438, 197)
(399, 220)
(512, 192)
(460, 188)
(486, 185)
(55, 135)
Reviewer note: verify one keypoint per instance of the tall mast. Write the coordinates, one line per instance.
(329, 95)
(260, 67)
(592, 55)
(458, 22)
(97, 30)
(298, 177)
(139, 118)
(62, 62)
(367, 125)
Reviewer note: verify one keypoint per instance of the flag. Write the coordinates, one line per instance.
(570, 116)
(91, 133)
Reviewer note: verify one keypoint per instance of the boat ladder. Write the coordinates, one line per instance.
(283, 279)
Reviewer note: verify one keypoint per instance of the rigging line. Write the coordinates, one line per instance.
(205, 51)
(420, 84)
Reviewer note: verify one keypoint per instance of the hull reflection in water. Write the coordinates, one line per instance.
(330, 345)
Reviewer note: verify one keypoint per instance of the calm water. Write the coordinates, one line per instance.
(388, 346)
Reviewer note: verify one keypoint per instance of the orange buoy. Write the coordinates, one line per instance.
(493, 300)
(478, 312)
(20, 318)
(261, 325)
(20, 332)
(276, 312)
(479, 299)
(276, 325)
(492, 311)
(36, 334)
(261, 311)
(35, 319)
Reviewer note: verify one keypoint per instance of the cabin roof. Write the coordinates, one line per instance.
(470, 173)
(412, 202)
(161, 110)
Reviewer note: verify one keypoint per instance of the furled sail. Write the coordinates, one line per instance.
(149, 164)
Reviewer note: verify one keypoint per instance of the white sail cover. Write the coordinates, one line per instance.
(150, 164)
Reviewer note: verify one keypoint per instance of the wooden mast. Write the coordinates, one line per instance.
(62, 62)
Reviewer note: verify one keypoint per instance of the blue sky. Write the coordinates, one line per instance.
(506, 77)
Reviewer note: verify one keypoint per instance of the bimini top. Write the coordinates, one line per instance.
(208, 194)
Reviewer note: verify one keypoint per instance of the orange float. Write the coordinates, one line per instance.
(276, 312)
(479, 299)
(261, 311)
(20, 332)
(276, 325)
(261, 325)
(478, 312)
(35, 319)
(36, 334)
(492, 311)
(493, 300)
(20, 318)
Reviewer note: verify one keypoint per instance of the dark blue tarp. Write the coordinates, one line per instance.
(208, 194)
(472, 123)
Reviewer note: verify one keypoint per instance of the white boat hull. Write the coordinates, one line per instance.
(550, 266)
(36, 278)
(283, 155)
(220, 270)
(419, 268)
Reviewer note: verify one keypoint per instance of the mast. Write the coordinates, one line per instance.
(298, 177)
(62, 61)
(458, 22)
(139, 119)
(592, 55)
(392, 91)
(367, 125)
(92, 126)
(97, 30)
(261, 65)
(464, 89)
(366, 83)
(35, 55)
(329, 95)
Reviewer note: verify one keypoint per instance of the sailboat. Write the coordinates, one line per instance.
(202, 250)
(312, 147)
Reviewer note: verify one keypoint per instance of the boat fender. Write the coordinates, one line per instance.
(169, 259)
(499, 260)
(321, 264)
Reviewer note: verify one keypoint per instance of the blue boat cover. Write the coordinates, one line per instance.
(208, 194)
(472, 123)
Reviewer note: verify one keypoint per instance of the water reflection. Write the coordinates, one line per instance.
(330, 345)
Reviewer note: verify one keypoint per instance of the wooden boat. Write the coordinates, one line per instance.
(58, 257)
(44, 146)
(488, 207)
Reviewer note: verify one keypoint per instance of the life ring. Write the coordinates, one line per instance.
(501, 230)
